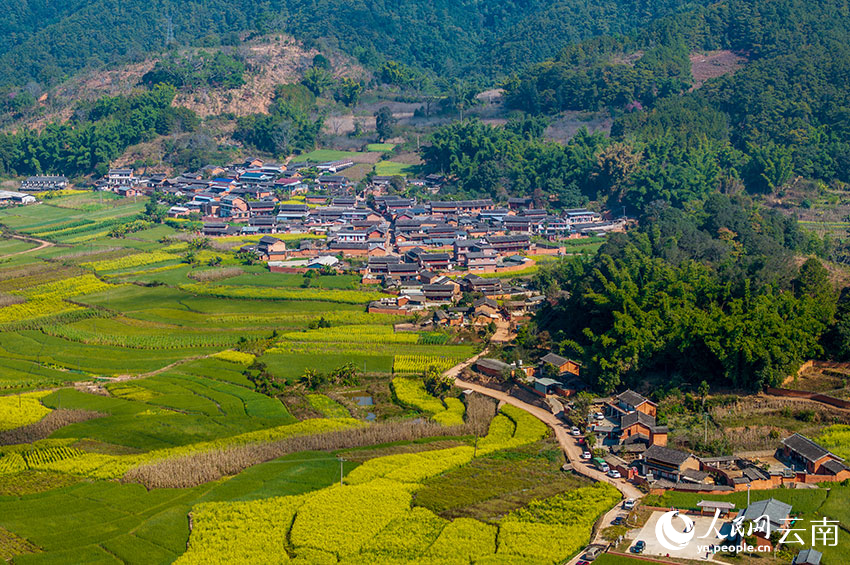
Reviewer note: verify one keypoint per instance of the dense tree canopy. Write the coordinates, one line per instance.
(99, 132)
(48, 41)
(292, 123)
(712, 296)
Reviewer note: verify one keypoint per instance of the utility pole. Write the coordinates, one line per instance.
(705, 418)
(341, 460)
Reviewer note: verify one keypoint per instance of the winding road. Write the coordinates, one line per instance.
(562, 433)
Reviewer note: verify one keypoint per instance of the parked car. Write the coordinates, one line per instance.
(599, 416)
(639, 546)
(575, 431)
(592, 553)
(629, 504)
(582, 562)
(618, 521)
(614, 473)
(586, 455)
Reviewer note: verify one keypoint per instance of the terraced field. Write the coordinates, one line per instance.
(131, 366)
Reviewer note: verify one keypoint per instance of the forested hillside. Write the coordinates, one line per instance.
(786, 112)
(47, 41)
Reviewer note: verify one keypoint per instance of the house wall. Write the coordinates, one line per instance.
(647, 409)
(658, 439)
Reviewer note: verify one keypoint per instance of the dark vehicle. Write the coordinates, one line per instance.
(618, 521)
(639, 546)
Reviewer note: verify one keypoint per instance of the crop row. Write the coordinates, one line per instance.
(32, 309)
(433, 338)
(38, 457)
(21, 410)
(417, 364)
(137, 260)
(291, 318)
(354, 334)
(67, 288)
(412, 392)
(17, 461)
(270, 293)
(172, 340)
(103, 466)
(67, 231)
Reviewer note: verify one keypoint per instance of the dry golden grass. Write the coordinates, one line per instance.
(200, 468)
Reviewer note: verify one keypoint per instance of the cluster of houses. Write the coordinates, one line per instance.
(635, 444)
(256, 197)
(637, 447)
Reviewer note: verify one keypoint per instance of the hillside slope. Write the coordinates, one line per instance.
(45, 43)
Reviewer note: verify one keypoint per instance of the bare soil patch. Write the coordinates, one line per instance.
(705, 66)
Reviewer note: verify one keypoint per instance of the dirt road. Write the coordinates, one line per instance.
(41, 242)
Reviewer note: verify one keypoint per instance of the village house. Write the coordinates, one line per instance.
(777, 513)
(670, 464)
(234, 208)
(271, 249)
(808, 557)
(801, 453)
(493, 367)
(121, 177)
(559, 365)
(38, 183)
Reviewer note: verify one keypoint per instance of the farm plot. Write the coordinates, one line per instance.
(38, 347)
(268, 293)
(371, 518)
(128, 333)
(102, 518)
(21, 410)
(417, 364)
(329, 407)
(448, 412)
(371, 347)
(10, 246)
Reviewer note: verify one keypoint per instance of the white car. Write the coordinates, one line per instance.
(575, 431)
(599, 416)
(614, 474)
(586, 455)
(629, 504)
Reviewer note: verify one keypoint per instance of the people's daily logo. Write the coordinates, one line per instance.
(672, 536)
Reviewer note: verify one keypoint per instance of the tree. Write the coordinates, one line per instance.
(317, 80)
(581, 407)
(702, 391)
(348, 91)
(435, 382)
(615, 166)
(153, 211)
(384, 122)
(312, 379)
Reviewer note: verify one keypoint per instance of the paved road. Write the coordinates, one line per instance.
(561, 430)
